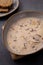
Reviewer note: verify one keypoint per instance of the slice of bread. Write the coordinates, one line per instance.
(3, 10)
(6, 3)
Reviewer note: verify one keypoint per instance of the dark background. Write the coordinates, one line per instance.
(34, 59)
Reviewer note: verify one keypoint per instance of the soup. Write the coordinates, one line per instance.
(26, 35)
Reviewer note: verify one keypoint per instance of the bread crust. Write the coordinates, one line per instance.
(6, 3)
(3, 10)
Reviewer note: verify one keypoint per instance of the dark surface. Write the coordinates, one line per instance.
(34, 59)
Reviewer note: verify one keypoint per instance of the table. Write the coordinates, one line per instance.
(34, 59)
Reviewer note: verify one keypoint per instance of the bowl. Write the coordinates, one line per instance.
(11, 20)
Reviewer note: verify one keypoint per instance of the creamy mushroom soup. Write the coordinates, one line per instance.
(26, 35)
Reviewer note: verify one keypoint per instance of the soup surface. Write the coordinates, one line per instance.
(26, 35)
